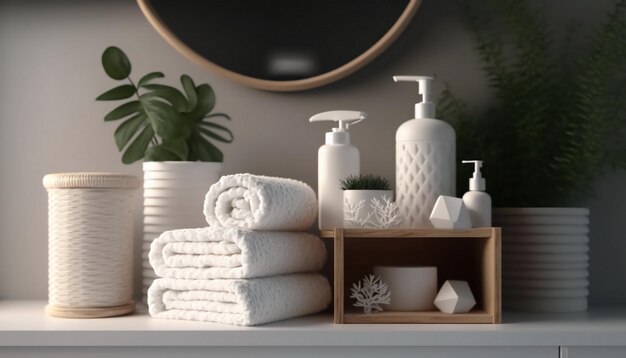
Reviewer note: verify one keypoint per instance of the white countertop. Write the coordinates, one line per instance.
(23, 323)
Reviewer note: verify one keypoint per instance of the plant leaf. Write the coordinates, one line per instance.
(223, 115)
(159, 153)
(123, 111)
(177, 146)
(168, 93)
(120, 92)
(211, 134)
(149, 77)
(206, 102)
(128, 129)
(115, 63)
(190, 91)
(137, 149)
(203, 149)
(163, 118)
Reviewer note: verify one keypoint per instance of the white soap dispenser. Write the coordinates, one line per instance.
(337, 159)
(476, 200)
(425, 159)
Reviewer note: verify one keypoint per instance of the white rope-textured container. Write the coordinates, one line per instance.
(90, 244)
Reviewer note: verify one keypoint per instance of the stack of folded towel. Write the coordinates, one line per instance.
(252, 265)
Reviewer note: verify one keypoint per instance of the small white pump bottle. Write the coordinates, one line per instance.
(477, 202)
(425, 159)
(337, 159)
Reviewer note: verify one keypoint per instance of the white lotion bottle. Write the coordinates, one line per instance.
(425, 159)
(337, 159)
(476, 200)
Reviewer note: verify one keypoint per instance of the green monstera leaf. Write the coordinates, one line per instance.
(116, 63)
(202, 127)
(159, 122)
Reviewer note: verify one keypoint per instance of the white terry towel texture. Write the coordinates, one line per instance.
(241, 302)
(260, 203)
(210, 252)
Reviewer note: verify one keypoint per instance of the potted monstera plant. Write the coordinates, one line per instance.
(174, 133)
(556, 122)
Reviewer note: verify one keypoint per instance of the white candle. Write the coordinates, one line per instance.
(413, 288)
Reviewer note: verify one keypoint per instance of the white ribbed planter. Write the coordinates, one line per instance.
(545, 258)
(90, 244)
(173, 199)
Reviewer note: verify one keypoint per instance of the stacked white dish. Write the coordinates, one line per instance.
(545, 258)
(173, 198)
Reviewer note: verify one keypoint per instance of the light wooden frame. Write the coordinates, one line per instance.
(284, 86)
(485, 241)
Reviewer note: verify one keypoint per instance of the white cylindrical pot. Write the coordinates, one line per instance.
(90, 244)
(173, 199)
(545, 258)
(413, 288)
(359, 207)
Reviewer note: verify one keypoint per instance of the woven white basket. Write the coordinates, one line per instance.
(90, 238)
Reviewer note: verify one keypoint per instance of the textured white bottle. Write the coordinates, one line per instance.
(425, 159)
(336, 161)
(425, 168)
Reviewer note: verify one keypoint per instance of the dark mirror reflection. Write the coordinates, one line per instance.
(280, 40)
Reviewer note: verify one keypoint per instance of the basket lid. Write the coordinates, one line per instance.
(90, 180)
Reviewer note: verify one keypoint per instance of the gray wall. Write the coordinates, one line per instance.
(49, 122)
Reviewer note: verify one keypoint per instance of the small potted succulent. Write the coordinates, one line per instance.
(368, 202)
(173, 132)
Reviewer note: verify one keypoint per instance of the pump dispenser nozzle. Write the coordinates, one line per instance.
(345, 118)
(339, 135)
(426, 108)
(476, 182)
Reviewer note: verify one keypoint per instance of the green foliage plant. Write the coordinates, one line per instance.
(160, 123)
(365, 182)
(558, 117)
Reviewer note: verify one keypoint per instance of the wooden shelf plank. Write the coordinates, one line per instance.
(418, 317)
(483, 232)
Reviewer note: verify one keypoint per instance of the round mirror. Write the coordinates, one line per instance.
(280, 45)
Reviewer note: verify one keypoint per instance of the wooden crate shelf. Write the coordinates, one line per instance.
(471, 255)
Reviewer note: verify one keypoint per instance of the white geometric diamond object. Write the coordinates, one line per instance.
(450, 213)
(455, 297)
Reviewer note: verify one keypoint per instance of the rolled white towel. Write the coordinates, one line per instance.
(210, 252)
(260, 203)
(241, 302)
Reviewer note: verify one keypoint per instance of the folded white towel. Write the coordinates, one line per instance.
(260, 203)
(240, 302)
(210, 252)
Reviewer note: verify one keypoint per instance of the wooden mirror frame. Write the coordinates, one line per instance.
(290, 85)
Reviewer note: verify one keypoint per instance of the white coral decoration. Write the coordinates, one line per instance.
(371, 294)
(386, 213)
(351, 213)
